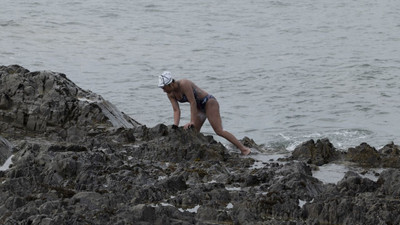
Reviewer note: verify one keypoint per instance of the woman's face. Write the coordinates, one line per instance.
(167, 88)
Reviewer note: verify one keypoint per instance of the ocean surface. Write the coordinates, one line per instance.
(283, 71)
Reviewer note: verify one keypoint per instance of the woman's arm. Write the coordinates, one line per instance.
(187, 89)
(176, 109)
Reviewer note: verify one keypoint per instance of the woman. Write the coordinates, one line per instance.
(202, 106)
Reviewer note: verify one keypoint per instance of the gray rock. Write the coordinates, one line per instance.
(389, 183)
(364, 155)
(390, 155)
(5, 150)
(318, 153)
(353, 184)
(48, 102)
(78, 160)
(142, 212)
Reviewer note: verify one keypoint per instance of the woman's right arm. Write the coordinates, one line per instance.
(177, 110)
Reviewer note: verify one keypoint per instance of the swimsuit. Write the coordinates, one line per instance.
(201, 103)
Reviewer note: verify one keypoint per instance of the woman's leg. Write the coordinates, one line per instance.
(214, 117)
(198, 123)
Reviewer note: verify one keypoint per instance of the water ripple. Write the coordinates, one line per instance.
(301, 69)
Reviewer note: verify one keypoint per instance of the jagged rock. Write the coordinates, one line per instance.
(390, 149)
(361, 201)
(298, 176)
(175, 145)
(144, 212)
(318, 153)
(89, 201)
(78, 160)
(353, 184)
(48, 102)
(390, 155)
(363, 209)
(364, 155)
(5, 150)
(248, 142)
(389, 183)
(5, 101)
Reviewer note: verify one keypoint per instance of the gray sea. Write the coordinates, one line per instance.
(284, 71)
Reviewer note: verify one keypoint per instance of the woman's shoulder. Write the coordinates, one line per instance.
(185, 83)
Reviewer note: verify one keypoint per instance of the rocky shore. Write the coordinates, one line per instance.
(71, 157)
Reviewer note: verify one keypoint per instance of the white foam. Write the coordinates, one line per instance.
(162, 177)
(191, 210)
(86, 100)
(194, 210)
(287, 138)
(263, 159)
(166, 204)
(233, 188)
(301, 203)
(7, 164)
(257, 165)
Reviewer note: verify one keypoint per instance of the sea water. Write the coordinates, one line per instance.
(283, 71)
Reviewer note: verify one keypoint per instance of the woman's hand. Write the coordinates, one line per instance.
(188, 125)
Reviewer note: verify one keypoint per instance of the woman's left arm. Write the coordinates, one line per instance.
(187, 89)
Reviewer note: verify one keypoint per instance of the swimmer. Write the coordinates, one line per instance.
(202, 106)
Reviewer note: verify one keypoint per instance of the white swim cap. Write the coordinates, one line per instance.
(164, 79)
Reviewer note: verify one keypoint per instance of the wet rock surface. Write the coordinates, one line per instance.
(317, 153)
(78, 160)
